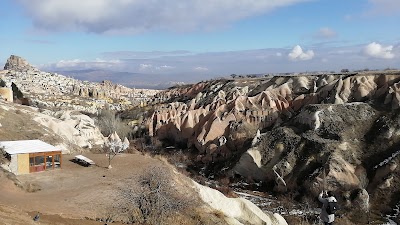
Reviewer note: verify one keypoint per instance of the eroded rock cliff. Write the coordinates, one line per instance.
(336, 132)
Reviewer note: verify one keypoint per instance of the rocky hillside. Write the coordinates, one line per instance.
(71, 131)
(294, 134)
(51, 90)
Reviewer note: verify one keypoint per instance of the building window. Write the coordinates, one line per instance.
(49, 162)
(57, 163)
(44, 161)
(39, 160)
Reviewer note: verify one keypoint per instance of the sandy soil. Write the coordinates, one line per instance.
(73, 192)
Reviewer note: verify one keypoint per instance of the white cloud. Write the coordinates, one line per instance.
(326, 33)
(297, 53)
(133, 16)
(73, 64)
(278, 54)
(165, 67)
(199, 68)
(68, 63)
(379, 51)
(144, 67)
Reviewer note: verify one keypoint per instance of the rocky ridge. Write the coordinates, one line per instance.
(19, 64)
(71, 131)
(203, 113)
(338, 131)
(54, 90)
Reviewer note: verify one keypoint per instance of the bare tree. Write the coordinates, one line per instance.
(114, 145)
(108, 122)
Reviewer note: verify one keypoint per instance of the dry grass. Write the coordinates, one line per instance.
(158, 195)
(18, 124)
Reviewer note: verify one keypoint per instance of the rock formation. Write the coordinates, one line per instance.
(342, 127)
(206, 111)
(18, 64)
(19, 123)
(75, 128)
(72, 130)
(237, 210)
(46, 89)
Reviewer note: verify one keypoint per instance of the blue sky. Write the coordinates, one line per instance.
(190, 40)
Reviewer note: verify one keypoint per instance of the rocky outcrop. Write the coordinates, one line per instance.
(18, 64)
(48, 89)
(73, 127)
(206, 111)
(237, 210)
(18, 123)
(351, 150)
(339, 132)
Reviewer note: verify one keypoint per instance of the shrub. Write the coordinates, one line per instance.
(151, 198)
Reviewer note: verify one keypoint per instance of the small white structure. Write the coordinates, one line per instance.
(83, 160)
(29, 156)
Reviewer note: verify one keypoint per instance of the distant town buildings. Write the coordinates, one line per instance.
(54, 90)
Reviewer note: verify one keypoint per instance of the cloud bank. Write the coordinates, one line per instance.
(72, 64)
(192, 67)
(135, 16)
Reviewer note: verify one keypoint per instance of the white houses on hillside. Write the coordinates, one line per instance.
(30, 156)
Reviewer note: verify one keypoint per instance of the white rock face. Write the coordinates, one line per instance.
(237, 210)
(249, 165)
(78, 129)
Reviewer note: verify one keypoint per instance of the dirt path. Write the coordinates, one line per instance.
(73, 192)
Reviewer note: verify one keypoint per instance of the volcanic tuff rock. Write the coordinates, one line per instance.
(72, 127)
(342, 127)
(19, 64)
(55, 90)
(204, 112)
(18, 123)
(237, 210)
